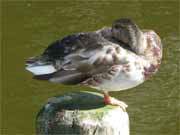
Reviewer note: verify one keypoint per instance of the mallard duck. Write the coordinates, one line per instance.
(110, 59)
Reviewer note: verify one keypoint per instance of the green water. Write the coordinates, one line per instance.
(27, 29)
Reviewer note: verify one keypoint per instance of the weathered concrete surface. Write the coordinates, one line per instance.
(81, 113)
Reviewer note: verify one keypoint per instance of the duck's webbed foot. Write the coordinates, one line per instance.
(112, 101)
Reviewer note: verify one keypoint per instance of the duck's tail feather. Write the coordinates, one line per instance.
(43, 77)
(32, 60)
(39, 67)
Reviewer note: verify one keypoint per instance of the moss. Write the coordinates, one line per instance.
(95, 114)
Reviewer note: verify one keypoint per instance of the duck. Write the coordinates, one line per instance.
(113, 58)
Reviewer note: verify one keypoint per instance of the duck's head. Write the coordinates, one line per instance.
(126, 31)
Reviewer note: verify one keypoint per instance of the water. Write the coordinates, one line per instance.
(28, 28)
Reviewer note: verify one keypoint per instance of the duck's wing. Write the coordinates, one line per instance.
(54, 56)
(73, 43)
(76, 58)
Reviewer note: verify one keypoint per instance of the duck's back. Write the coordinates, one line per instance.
(72, 43)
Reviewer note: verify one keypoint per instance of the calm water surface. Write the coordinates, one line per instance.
(29, 27)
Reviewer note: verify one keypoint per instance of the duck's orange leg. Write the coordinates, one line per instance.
(108, 100)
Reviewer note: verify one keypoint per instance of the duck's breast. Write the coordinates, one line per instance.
(127, 76)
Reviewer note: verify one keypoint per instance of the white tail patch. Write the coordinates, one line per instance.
(41, 70)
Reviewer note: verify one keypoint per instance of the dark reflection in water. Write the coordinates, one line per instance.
(80, 101)
(28, 28)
